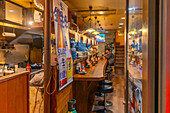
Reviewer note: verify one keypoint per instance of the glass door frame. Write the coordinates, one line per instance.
(150, 53)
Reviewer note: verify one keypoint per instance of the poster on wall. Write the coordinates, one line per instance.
(84, 39)
(89, 41)
(76, 37)
(60, 12)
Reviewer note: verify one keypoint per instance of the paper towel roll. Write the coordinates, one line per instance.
(6, 34)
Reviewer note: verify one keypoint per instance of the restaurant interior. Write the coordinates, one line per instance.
(53, 56)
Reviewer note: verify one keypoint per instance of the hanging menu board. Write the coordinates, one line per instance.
(60, 12)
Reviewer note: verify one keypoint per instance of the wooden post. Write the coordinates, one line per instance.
(47, 53)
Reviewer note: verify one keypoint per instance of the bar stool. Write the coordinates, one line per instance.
(100, 94)
(108, 71)
(106, 82)
(109, 68)
(105, 89)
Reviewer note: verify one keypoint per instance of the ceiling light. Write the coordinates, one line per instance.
(90, 30)
(11, 11)
(99, 37)
(95, 33)
(7, 24)
(123, 18)
(120, 23)
(143, 30)
(100, 12)
(131, 8)
(30, 22)
(133, 32)
(119, 27)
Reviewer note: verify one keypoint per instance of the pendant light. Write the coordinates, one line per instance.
(90, 29)
(95, 32)
(32, 13)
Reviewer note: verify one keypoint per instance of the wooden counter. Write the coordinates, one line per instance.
(85, 86)
(14, 93)
(95, 73)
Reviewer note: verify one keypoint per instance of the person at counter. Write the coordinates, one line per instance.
(109, 56)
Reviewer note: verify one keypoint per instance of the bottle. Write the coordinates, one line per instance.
(16, 67)
(77, 69)
(61, 53)
(71, 106)
(28, 68)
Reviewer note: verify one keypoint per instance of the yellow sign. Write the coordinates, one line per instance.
(69, 68)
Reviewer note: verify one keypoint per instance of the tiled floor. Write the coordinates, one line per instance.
(117, 97)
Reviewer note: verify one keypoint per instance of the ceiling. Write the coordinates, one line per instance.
(25, 3)
(108, 12)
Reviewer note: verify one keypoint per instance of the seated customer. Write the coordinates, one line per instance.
(110, 57)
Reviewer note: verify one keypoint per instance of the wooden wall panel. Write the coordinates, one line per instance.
(63, 97)
(14, 95)
(60, 98)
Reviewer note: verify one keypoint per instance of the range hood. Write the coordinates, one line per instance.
(23, 34)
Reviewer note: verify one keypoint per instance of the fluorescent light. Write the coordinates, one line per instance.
(11, 11)
(123, 18)
(90, 30)
(120, 23)
(30, 22)
(100, 12)
(131, 8)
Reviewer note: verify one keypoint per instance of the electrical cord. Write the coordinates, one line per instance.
(40, 105)
(48, 84)
(35, 103)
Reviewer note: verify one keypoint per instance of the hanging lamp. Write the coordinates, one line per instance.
(90, 29)
(95, 32)
(31, 21)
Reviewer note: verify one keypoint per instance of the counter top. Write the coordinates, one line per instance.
(95, 73)
(7, 77)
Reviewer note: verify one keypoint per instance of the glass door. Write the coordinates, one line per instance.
(134, 56)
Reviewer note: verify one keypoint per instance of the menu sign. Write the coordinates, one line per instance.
(60, 12)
